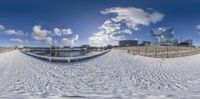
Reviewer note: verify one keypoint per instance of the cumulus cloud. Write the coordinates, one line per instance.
(3, 30)
(47, 36)
(198, 28)
(66, 31)
(57, 31)
(40, 34)
(99, 37)
(19, 42)
(61, 32)
(15, 32)
(70, 40)
(108, 26)
(133, 17)
(125, 21)
(109, 30)
(16, 40)
(117, 36)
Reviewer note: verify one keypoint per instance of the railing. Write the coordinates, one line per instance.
(163, 51)
(65, 59)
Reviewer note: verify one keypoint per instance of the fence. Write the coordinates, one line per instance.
(6, 49)
(163, 51)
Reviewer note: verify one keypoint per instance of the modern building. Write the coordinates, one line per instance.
(175, 42)
(85, 46)
(186, 43)
(127, 43)
(145, 43)
(109, 46)
(163, 36)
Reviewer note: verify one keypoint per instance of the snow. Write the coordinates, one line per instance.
(115, 74)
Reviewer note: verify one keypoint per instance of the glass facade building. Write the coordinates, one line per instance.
(128, 43)
(163, 36)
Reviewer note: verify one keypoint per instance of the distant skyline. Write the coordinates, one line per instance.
(94, 22)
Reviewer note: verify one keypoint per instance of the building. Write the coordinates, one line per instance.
(66, 46)
(127, 43)
(186, 43)
(109, 46)
(84, 46)
(145, 43)
(163, 36)
(175, 42)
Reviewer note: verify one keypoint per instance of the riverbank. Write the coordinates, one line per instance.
(66, 59)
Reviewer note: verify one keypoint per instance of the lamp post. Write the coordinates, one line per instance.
(181, 38)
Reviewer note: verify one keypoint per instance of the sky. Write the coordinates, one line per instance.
(94, 22)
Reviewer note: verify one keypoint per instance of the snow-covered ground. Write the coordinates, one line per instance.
(115, 74)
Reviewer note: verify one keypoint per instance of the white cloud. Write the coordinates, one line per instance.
(47, 36)
(14, 32)
(108, 26)
(67, 31)
(109, 31)
(128, 31)
(10, 32)
(117, 36)
(57, 32)
(70, 40)
(61, 32)
(3, 30)
(43, 35)
(126, 21)
(16, 40)
(198, 27)
(99, 38)
(156, 17)
(133, 17)
(40, 34)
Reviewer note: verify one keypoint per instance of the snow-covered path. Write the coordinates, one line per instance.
(115, 74)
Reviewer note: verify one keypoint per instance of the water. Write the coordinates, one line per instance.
(61, 53)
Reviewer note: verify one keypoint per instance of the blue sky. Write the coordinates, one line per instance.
(95, 22)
